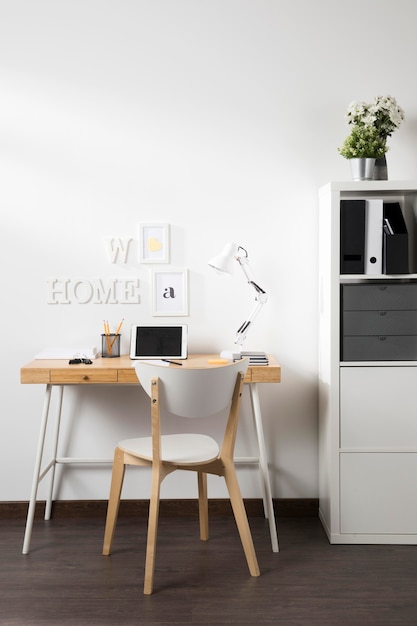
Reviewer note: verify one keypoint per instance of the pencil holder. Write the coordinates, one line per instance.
(110, 346)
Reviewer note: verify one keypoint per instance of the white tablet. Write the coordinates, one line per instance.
(159, 342)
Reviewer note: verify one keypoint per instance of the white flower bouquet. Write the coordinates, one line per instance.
(371, 124)
(383, 113)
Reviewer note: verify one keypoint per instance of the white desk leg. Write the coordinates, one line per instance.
(37, 470)
(48, 505)
(263, 465)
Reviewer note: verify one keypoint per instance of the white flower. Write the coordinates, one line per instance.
(383, 113)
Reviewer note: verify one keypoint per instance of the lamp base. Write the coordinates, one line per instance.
(231, 355)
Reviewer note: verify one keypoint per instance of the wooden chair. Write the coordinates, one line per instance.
(189, 393)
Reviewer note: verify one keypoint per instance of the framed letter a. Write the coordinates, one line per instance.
(170, 292)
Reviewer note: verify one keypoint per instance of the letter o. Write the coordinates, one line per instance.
(83, 291)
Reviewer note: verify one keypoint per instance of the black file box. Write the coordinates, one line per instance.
(352, 236)
(395, 242)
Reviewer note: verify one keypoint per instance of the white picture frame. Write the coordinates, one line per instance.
(170, 292)
(154, 243)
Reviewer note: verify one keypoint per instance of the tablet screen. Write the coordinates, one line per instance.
(158, 342)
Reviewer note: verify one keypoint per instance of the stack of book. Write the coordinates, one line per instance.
(256, 358)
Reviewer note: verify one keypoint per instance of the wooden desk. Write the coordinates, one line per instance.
(119, 371)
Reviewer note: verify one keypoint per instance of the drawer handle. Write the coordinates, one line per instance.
(382, 312)
(381, 338)
(86, 377)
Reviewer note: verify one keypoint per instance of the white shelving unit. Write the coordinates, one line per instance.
(367, 409)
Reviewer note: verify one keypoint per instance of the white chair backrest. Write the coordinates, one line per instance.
(192, 392)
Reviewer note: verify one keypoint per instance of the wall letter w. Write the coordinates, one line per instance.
(116, 246)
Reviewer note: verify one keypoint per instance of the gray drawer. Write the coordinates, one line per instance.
(379, 323)
(379, 297)
(380, 348)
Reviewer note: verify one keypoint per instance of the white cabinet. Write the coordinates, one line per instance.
(378, 501)
(367, 408)
(378, 408)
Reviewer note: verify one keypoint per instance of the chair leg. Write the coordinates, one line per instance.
(203, 505)
(157, 478)
(118, 473)
(241, 519)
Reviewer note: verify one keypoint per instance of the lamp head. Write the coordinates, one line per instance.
(223, 262)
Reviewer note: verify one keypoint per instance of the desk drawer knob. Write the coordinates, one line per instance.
(85, 377)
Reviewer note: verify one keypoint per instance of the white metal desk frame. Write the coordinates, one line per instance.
(39, 473)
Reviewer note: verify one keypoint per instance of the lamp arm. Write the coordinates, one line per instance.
(261, 297)
(244, 264)
(244, 328)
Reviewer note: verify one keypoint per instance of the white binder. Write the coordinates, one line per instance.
(374, 215)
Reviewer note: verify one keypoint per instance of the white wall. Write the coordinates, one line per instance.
(220, 117)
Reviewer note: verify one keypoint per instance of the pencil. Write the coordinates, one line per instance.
(117, 332)
(119, 326)
(107, 333)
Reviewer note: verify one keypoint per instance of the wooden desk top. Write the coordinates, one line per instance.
(120, 370)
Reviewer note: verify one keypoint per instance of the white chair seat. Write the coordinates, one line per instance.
(180, 448)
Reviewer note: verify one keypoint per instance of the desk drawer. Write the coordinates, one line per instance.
(82, 376)
(128, 376)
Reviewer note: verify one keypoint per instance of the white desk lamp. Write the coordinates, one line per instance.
(223, 263)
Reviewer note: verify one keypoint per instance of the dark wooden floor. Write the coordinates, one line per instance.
(65, 581)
